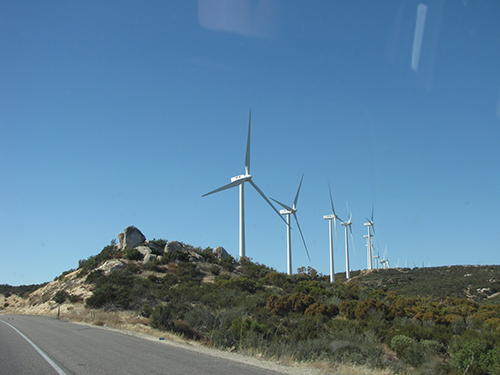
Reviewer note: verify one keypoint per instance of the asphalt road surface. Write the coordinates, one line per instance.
(42, 345)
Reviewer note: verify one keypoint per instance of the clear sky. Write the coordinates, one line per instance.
(118, 113)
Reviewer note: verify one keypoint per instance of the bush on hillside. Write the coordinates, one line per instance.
(120, 289)
(93, 261)
(60, 297)
(134, 254)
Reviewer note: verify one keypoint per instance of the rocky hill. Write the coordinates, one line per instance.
(393, 320)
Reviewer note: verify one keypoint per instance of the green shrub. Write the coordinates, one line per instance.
(119, 289)
(253, 270)
(147, 310)
(227, 263)
(433, 347)
(60, 296)
(215, 270)
(208, 255)
(164, 316)
(94, 276)
(134, 254)
(408, 350)
(275, 278)
(185, 329)
(75, 298)
(133, 268)
(241, 283)
(94, 261)
(159, 242)
(188, 271)
(201, 319)
(474, 356)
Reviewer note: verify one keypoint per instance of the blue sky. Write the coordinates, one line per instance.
(125, 113)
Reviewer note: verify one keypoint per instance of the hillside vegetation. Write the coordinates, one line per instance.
(435, 320)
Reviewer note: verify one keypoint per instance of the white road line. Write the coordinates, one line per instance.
(44, 356)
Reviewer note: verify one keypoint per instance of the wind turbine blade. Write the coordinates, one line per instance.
(331, 200)
(282, 204)
(376, 238)
(267, 200)
(298, 191)
(352, 240)
(228, 186)
(300, 231)
(247, 154)
(373, 207)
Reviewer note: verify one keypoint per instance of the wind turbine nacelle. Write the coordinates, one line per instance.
(241, 177)
(286, 212)
(329, 217)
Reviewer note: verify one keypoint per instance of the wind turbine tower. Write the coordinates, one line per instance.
(240, 181)
(331, 217)
(369, 241)
(347, 224)
(292, 211)
(376, 257)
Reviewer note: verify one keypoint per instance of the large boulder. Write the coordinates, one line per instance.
(220, 253)
(195, 257)
(174, 247)
(150, 258)
(144, 250)
(155, 249)
(130, 238)
(112, 265)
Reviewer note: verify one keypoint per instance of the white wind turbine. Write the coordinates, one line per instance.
(385, 262)
(331, 217)
(376, 257)
(240, 180)
(347, 224)
(369, 245)
(292, 211)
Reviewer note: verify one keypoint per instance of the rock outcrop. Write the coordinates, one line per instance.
(130, 238)
(220, 253)
(150, 258)
(112, 265)
(144, 250)
(173, 247)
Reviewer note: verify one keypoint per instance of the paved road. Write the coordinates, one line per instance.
(42, 345)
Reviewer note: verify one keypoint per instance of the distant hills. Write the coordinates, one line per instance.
(478, 283)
